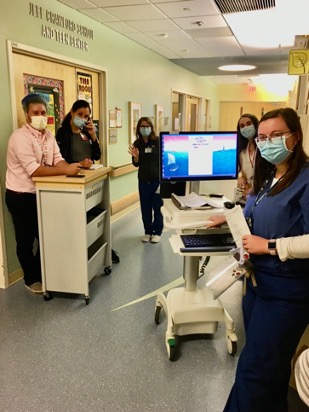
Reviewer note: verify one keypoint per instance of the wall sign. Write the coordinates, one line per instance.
(298, 62)
(78, 35)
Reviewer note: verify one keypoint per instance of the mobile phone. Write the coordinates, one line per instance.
(75, 175)
(84, 129)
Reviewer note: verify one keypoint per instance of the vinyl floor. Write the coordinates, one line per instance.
(65, 356)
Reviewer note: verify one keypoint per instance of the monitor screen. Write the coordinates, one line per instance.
(198, 156)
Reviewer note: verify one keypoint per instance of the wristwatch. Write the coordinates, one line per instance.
(272, 247)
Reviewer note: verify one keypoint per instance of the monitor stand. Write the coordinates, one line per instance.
(193, 186)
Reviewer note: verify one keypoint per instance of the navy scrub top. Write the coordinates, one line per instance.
(282, 215)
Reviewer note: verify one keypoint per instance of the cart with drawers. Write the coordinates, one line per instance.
(74, 231)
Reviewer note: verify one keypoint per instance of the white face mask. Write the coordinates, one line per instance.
(38, 122)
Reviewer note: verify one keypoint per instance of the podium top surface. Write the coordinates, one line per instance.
(89, 176)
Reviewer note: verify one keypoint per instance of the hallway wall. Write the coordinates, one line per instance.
(134, 73)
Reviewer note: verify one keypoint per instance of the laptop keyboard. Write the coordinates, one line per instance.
(207, 242)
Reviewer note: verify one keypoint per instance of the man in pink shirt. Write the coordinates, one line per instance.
(32, 151)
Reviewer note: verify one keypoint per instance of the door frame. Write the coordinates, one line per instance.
(13, 47)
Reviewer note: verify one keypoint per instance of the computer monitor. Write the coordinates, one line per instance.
(189, 156)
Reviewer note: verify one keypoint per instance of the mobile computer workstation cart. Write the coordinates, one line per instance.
(191, 309)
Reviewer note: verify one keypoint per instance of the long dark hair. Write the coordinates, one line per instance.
(241, 140)
(76, 105)
(296, 161)
(152, 135)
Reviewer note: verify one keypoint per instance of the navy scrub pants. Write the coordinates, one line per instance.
(23, 209)
(273, 329)
(151, 203)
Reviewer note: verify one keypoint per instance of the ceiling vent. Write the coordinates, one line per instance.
(238, 6)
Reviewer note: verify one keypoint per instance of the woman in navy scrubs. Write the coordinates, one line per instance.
(145, 156)
(276, 310)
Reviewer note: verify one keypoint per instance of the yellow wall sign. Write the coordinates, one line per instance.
(299, 62)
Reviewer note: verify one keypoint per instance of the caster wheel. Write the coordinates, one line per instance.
(231, 345)
(157, 315)
(172, 350)
(47, 296)
(87, 300)
(108, 270)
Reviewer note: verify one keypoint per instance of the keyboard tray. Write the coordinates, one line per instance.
(216, 242)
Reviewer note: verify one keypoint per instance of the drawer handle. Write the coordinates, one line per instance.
(100, 223)
(94, 192)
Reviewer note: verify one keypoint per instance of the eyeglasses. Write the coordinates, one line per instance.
(274, 138)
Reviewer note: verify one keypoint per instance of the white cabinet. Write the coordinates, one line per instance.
(74, 228)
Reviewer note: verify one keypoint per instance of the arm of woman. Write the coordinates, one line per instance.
(95, 150)
(294, 247)
(134, 152)
(215, 221)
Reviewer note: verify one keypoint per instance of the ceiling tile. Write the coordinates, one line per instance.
(150, 44)
(208, 33)
(120, 27)
(99, 15)
(151, 25)
(187, 23)
(113, 3)
(188, 8)
(127, 13)
(78, 4)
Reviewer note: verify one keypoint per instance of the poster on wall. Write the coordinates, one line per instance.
(84, 88)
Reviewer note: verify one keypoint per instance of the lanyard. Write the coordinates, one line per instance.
(260, 196)
(251, 155)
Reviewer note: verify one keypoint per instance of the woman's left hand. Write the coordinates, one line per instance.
(90, 126)
(255, 245)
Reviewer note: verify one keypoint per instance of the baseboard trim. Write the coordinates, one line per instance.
(123, 203)
(15, 276)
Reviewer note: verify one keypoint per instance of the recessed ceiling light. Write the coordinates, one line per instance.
(236, 67)
(163, 35)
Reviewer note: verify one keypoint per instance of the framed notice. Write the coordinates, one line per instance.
(135, 113)
(115, 118)
(159, 118)
(84, 88)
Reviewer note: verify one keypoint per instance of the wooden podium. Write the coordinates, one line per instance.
(74, 230)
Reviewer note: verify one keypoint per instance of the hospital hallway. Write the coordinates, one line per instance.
(65, 356)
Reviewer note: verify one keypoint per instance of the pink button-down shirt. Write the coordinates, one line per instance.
(28, 149)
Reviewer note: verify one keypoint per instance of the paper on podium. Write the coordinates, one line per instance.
(189, 201)
(96, 166)
(194, 201)
(237, 224)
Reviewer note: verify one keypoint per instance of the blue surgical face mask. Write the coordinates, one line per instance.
(274, 152)
(80, 123)
(145, 131)
(248, 131)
